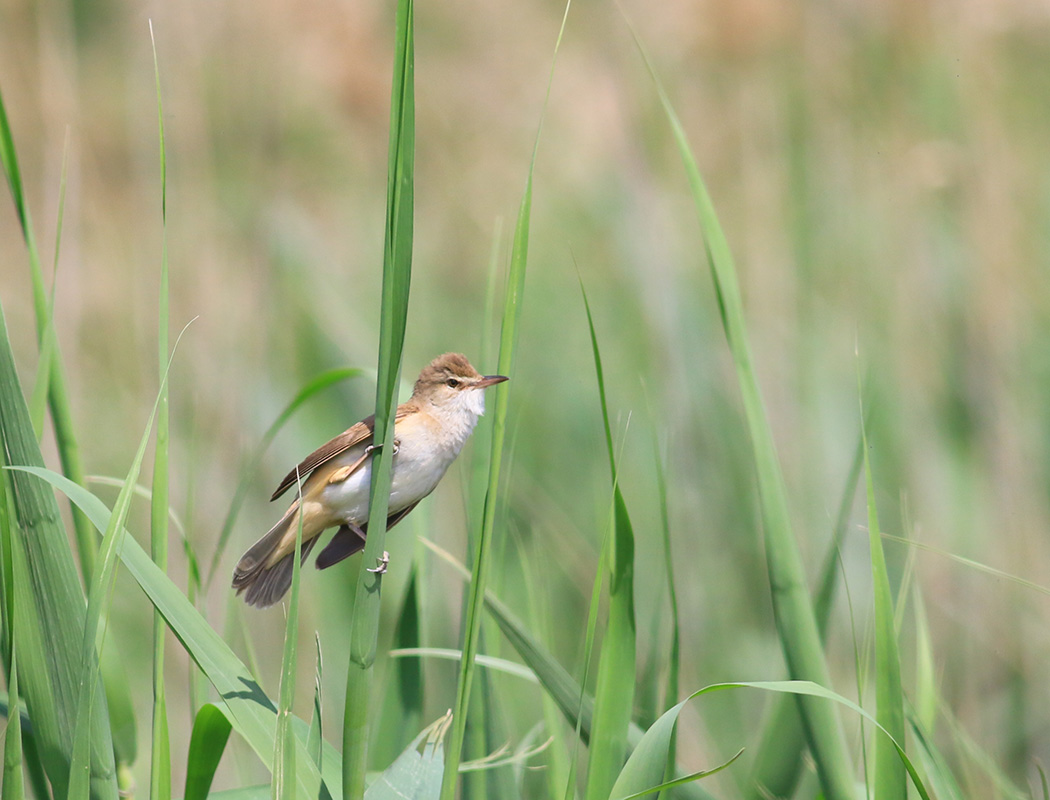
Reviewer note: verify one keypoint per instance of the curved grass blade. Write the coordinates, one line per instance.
(313, 387)
(160, 749)
(649, 751)
(575, 705)
(397, 274)
(480, 564)
(614, 694)
(248, 708)
(666, 785)
(211, 731)
(448, 654)
(49, 604)
(796, 623)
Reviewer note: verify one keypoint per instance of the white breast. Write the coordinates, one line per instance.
(424, 455)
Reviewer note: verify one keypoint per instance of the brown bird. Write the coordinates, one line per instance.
(429, 431)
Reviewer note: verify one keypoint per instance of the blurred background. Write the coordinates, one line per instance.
(882, 173)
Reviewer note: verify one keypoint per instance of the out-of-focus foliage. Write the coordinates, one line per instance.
(882, 175)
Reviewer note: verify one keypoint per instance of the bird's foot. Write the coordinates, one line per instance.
(381, 564)
(373, 447)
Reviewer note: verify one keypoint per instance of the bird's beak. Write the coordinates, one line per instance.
(490, 380)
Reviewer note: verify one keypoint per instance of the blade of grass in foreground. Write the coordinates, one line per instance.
(246, 705)
(614, 694)
(793, 609)
(48, 603)
(890, 780)
(12, 785)
(645, 764)
(160, 750)
(397, 274)
(505, 366)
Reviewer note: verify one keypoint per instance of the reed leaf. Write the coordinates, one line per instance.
(793, 609)
(614, 695)
(49, 605)
(889, 779)
(160, 749)
(248, 708)
(13, 785)
(397, 274)
(211, 731)
(778, 760)
(652, 744)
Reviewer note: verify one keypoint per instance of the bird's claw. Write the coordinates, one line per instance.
(373, 447)
(381, 564)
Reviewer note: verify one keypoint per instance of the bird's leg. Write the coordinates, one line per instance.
(381, 564)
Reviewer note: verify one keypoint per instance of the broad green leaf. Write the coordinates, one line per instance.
(397, 274)
(415, 775)
(50, 606)
(645, 761)
(211, 731)
(12, 786)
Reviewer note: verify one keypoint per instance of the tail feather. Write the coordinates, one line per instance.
(265, 585)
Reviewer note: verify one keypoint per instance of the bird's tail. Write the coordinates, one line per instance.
(264, 583)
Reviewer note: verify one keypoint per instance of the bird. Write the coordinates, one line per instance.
(429, 432)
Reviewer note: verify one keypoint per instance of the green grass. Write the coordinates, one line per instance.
(784, 193)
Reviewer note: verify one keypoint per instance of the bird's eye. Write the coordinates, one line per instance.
(452, 383)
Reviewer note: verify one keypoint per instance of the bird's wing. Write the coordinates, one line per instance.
(361, 433)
